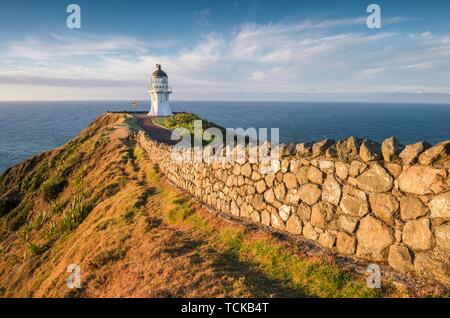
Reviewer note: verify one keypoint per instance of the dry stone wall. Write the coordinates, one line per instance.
(382, 203)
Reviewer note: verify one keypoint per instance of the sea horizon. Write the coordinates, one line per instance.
(128, 101)
(44, 125)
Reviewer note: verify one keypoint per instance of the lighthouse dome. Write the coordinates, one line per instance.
(159, 72)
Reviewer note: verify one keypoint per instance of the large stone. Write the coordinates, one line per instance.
(347, 223)
(265, 218)
(354, 202)
(315, 175)
(303, 149)
(269, 179)
(256, 217)
(284, 211)
(255, 176)
(327, 166)
(411, 208)
(410, 153)
(260, 186)
(269, 196)
(369, 151)
(280, 192)
(320, 147)
(309, 233)
(400, 259)
(345, 243)
(442, 234)
(331, 190)
(258, 202)
(374, 239)
(440, 206)
(417, 234)
(290, 180)
(394, 169)
(292, 196)
(375, 179)
(389, 149)
(304, 212)
(246, 210)
(348, 148)
(322, 212)
(302, 175)
(269, 166)
(295, 165)
(356, 168)
(236, 169)
(309, 193)
(234, 209)
(285, 165)
(342, 170)
(331, 152)
(326, 239)
(287, 150)
(246, 170)
(294, 225)
(419, 179)
(438, 152)
(384, 206)
(277, 222)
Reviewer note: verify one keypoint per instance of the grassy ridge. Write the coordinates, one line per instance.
(100, 202)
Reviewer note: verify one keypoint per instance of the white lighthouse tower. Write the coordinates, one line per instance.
(159, 93)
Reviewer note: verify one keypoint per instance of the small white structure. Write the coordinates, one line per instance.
(159, 93)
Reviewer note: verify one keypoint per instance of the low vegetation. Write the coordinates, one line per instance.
(187, 120)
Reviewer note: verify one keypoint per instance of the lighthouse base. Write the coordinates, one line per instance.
(160, 109)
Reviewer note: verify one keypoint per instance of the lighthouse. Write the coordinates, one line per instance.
(159, 93)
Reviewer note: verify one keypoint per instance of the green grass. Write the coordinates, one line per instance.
(139, 154)
(34, 248)
(75, 213)
(182, 120)
(34, 180)
(24, 235)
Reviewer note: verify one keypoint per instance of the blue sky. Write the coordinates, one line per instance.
(226, 50)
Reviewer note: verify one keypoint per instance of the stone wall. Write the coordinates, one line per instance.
(382, 203)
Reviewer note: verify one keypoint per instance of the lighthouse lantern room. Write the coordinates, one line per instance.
(159, 93)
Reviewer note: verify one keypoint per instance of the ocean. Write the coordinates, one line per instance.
(29, 128)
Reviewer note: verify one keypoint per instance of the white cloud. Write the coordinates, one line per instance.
(272, 58)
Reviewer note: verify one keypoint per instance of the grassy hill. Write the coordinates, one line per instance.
(100, 202)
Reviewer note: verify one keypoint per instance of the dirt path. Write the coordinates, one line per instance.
(157, 133)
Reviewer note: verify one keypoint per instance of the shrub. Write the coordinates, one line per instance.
(34, 249)
(7, 204)
(52, 188)
(40, 174)
(19, 215)
(128, 216)
(76, 212)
